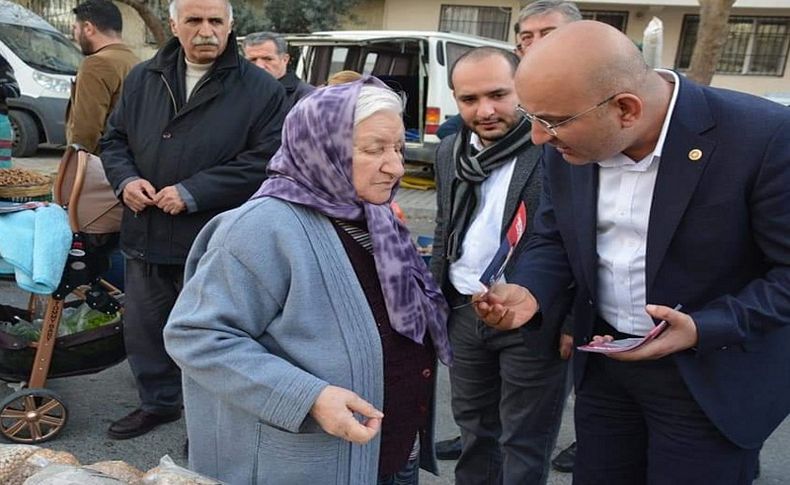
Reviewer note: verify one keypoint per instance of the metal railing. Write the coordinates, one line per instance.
(59, 13)
(755, 45)
(56, 12)
(491, 22)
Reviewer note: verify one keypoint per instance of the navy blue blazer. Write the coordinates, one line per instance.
(718, 242)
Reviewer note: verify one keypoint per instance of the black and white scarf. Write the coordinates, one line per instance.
(471, 170)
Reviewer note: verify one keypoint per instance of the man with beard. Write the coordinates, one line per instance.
(97, 29)
(508, 388)
(270, 52)
(190, 138)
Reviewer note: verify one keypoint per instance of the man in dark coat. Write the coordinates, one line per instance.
(657, 192)
(269, 51)
(190, 138)
(508, 388)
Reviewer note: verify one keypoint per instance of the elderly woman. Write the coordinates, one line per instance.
(307, 312)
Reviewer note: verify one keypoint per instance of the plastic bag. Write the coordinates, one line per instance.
(84, 318)
(22, 329)
(118, 469)
(168, 473)
(12, 457)
(42, 458)
(71, 475)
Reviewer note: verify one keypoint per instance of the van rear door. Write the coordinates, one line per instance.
(400, 62)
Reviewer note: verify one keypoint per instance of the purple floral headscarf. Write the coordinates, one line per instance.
(313, 168)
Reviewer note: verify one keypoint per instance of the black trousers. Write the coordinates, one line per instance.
(151, 291)
(637, 423)
(507, 402)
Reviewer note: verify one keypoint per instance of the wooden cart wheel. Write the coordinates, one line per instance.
(32, 416)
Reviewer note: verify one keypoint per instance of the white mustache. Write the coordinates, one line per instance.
(200, 40)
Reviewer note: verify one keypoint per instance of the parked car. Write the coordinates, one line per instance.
(416, 63)
(45, 62)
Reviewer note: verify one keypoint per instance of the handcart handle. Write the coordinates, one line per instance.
(79, 180)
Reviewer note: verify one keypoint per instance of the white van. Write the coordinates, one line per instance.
(415, 62)
(45, 62)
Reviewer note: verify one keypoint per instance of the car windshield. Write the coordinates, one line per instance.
(41, 49)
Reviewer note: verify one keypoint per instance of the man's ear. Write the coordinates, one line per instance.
(630, 107)
(88, 28)
(173, 27)
(286, 57)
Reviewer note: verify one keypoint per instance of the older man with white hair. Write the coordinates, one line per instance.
(190, 138)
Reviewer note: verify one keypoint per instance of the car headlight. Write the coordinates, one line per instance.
(52, 83)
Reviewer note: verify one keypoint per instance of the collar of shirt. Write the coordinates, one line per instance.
(621, 160)
(475, 141)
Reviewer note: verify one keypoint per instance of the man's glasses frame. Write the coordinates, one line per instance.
(551, 128)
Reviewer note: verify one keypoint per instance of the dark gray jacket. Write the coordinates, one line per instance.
(9, 88)
(295, 88)
(541, 334)
(216, 145)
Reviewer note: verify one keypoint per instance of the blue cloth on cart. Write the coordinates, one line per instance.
(34, 246)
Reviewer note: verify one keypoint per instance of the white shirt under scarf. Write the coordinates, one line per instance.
(625, 194)
(482, 238)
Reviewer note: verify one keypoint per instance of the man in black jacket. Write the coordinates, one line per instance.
(269, 51)
(190, 138)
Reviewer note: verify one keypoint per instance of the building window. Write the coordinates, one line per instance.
(618, 20)
(492, 22)
(755, 45)
(59, 14)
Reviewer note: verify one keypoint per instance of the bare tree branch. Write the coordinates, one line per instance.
(150, 19)
(714, 16)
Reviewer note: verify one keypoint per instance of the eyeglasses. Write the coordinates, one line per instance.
(551, 128)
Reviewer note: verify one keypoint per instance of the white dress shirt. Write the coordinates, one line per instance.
(482, 238)
(625, 194)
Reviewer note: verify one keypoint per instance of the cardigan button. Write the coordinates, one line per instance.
(426, 373)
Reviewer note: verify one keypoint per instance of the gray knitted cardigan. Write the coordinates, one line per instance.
(271, 313)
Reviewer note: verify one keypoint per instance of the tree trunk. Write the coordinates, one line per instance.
(714, 16)
(150, 19)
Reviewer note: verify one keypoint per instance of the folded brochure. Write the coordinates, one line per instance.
(496, 268)
(626, 344)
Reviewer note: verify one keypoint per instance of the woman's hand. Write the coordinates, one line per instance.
(334, 411)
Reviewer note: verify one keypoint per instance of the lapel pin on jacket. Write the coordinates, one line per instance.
(695, 154)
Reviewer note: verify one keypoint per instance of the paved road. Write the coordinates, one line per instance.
(95, 400)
